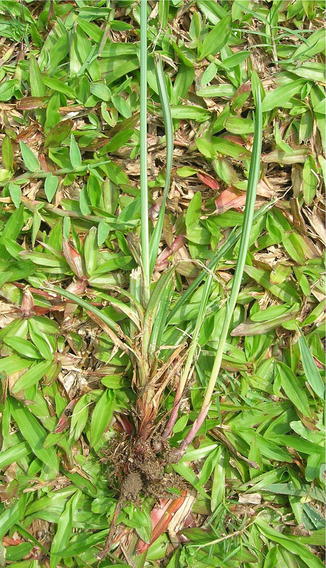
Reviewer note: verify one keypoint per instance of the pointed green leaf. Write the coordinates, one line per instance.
(281, 95)
(50, 186)
(293, 388)
(102, 414)
(74, 153)
(60, 86)
(15, 194)
(216, 38)
(310, 368)
(30, 160)
(34, 433)
(32, 376)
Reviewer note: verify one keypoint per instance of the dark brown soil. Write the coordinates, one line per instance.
(139, 467)
(131, 486)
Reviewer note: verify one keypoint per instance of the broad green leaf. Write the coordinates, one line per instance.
(285, 291)
(211, 147)
(12, 515)
(50, 186)
(196, 232)
(41, 340)
(291, 489)
(313, 44)
(102, 415)
(83, 202)
(8, 89)
(309, 179)
(63, 532)
(163, 13)
(79, 416)
(18, 551)
(314, 314)
(74, 153)
(103, 231)
(13, 364)
(91, 29)
(15, 194)
(91, 251)
(196, 113)
(32, 376)
(114, 262)
(83, 542)
(34, 434)
(160, 319)
(296, 246)
(218, 483)
(311, 71)
(247, 328)
(290, 543)
(141, 522)
(14, 454)
(23, 346)
(301, 445)
(7, 153)
(293, 388)
(58, 133)
(238, 125)
(186, 171)
(271, 449)
(281, 95)
(234, 60)
(30, 160)
(118, 140)
(101, 91)
(35, 77)
(310, 368)
(36, 226)
(269, 313)
(316, 538)
(224, 91)
(216, 38)
(57, 85)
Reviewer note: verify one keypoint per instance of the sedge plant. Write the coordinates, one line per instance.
(152, 305)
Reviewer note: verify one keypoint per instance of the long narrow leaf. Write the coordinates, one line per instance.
(190, 356)
(34, 434)
(244, 244)
(143, 153)
(310, 368)
(87, 306)
(156, 236)
(231, 241)
(153, 307)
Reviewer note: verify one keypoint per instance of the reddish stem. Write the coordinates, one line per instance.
(173, 416)
(194, 429)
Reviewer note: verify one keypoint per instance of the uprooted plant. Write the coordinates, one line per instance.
(161, 358)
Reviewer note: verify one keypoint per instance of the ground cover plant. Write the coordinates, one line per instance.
(162, 283)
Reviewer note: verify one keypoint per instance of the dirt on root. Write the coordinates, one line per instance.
(139, 467)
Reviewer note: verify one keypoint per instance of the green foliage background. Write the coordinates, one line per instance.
(70, 216)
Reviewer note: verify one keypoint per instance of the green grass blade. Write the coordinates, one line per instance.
(156, 236)
(190, 356)
(14, 454)
(310, 368)
(143, 153)
(153, 308)
(160, 318)
(244, 243)
(87, 306)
